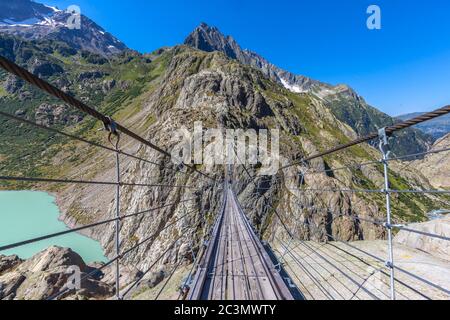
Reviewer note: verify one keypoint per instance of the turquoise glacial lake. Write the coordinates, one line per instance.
(29, 214)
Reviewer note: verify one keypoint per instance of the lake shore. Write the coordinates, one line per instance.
(28, 214)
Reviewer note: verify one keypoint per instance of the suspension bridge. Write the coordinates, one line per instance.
(233, 262)
(237, 266)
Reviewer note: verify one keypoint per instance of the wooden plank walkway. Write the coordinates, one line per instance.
(236, 265)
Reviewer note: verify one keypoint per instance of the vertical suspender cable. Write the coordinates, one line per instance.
(112, 128)
(390, 263)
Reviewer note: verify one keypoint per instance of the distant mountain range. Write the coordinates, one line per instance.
(437, 128)
(343, 101)
(34, 21)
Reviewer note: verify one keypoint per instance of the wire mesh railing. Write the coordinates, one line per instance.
(115, 131)
(301, 188)
(387, 224)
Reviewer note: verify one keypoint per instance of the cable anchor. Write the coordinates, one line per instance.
(111, 127)
(384, 144)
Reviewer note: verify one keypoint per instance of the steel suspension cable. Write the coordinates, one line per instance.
(183, 234)
(381, 270)
(389, 130)
(92, 143)
(168, 279)
(367, 190)
(90, 274)
(323, 247)
(127, 291)
(396, 267)
(381, 260)
(117, 258)
(359, 165)
(106, 183)
(377, 222)
(373, 256)
(324, 291)
(197, 258)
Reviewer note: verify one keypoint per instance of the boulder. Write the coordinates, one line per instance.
(20, 113)
(9, 262)
(89, 75)
(155, 278)
(9, 284)
(48, 273)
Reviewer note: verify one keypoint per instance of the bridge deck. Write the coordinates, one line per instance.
(236, 266)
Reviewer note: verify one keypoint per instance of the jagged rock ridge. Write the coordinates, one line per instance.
(46, 274)
(342, 100)
(210, 39)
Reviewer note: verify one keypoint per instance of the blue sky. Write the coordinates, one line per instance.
(403, 67)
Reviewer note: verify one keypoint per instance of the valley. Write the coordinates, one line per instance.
(212, 80)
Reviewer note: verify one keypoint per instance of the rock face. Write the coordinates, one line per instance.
(46, 274)
(12, 84)
(49, 114)
(210, 39)
(220, 92)
(436, 167)
(9, 262)
(45, 69)
(434, 246)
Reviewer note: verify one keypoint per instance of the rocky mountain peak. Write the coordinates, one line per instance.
(24, 12)
(209, 38)
(341, 99)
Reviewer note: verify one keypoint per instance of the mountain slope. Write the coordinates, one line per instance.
(158, 94)
(343, 101)
(24, 12)
(33, 21)
(436, 167)
(207, 38)
(155, 95)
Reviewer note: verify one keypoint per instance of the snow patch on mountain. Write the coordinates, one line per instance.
(34, 21)
(55, 9)
(292, 87)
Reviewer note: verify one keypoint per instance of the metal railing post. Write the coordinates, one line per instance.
(111, 126)
(384, 148)
(117, 227)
